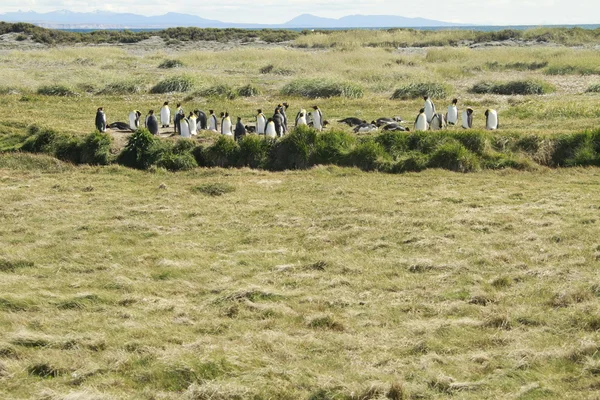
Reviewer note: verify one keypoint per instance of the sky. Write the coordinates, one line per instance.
(480, 12)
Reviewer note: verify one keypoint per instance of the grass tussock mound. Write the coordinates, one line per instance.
(179, 84)
(56, 90)
(271, 69)
(168, 64)
(527, 87)
(322, 88)
(121, 88)
(219, 90)
(417, 90)
(593, 88)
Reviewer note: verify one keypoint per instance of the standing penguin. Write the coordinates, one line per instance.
(192, 123)
(452, 115)
(438, 122)
(467, 118)
(491, 120)
(134, 120)
(226, 125)
(212, 121)
(178, 117)
(270, 129)
(429, 108)
(317, 118)
(165, 115)
(282, 107)
(201, 119)
(152, 123)
(301, 118)
(278, 120)
(100, 120)
(421, 123)
(184, 127)
(261, 122)
(240, 129)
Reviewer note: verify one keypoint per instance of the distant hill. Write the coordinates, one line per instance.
(107, 20)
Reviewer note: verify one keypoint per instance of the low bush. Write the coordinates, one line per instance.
(167, 64)
(173, 84)
(68, 148)
(40, 140)
(56, 90)
(248, 91)
(366, 155)
(178, 157)
(142, 150)
(121, 88)
(294, 150)
(95, 149)
(331, 147)
(220, 90)
(254, 151)
(526, 87)
(322, 88)
(223, 153)
(454, 156)
(214, 189)
(417, 90)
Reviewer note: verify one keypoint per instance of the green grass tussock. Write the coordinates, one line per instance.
(121, 88)
(419, 90)
(173, 84)
(56, 90)
(595, 88)
(172, 63)
(322, 88)
(214, 189)
(527, 87)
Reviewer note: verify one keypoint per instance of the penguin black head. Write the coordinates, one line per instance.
(421, 111)
(425, 98)
(139, 114)
(372, 122)
(315, 107)
(211, 111)
(454, 101)
(286, 105)
(178, 104)
(469, 111)
(325, 123)
(365, 121)
(259, 111)
(279, 105)
(277, 111)
(226, 114)
(166, 103)
(222, 114)
(239, 119)
(270, 120)
(301, 114)
(487, 112)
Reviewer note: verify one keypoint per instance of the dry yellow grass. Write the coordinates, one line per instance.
(331, 282)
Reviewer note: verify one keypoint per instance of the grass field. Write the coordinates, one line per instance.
(328, 283)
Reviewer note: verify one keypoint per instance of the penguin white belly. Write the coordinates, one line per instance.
(317, 123)
(465, 120)
(270, 131)
(132, 121)
(429, 110)
(185, 128)
(452, 115)
(301, 121)
(435, 123)
(193, 126)
(165, 116)
(226, 127)
(421, 124)
(492, 120)
(260, 125)
(212, 123)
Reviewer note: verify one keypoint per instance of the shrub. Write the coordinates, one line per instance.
(142, 150)
(365, 155)
(223, 153)
(294, 150)
(527, 87)
(121, 88)
(394, 143)
(320, 88)
(220, 90)
(254, 151)
(248, 91)
(412, 162)
(167, 64)
(454, 157)
(68, 149)
(214, 189)
(177, 162)
(95, 149)
(594, 88)
(56, 90)
(578, 149)
(417, 90)
(472, 140)
(173, 84)
(40, 140)
(331, 147)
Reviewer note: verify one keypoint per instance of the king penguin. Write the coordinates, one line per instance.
(226, 125)
(491, 120)
(165, 115)
(438, 122)
(184, 127)
(240, 129)
(429, 108)
(467, 118)
(100, 120)
(193, 124)
(152, 123)
(421, 123)
(212, 121)
(201, 121)
(317, 118)
(301, 118)
(261, 122)
(134, 120)
(278, 120)
(452, 115)
(178, 117)
(270, 129)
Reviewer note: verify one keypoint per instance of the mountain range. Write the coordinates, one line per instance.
(64, 19)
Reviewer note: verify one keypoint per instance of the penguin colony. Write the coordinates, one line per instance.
(277, 125)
